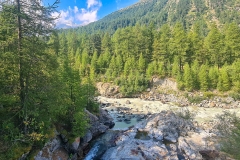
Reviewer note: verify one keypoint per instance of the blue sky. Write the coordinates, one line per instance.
(75, 13)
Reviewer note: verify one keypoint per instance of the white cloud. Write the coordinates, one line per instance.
(92, 3)
(87, 16)
(73, 17)
(75, 9)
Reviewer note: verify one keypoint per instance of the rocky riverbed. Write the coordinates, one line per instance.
(144, 129)
(125, 108)
(154, 130)
(163, 136)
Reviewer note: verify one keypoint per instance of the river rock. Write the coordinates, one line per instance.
(190, 153)
(52, 150)
(155, 138)
(128, 102)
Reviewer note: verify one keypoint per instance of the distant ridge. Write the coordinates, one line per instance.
(169, 11)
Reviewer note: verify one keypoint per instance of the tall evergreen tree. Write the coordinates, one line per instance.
(203, 78)
(187, 78)
(224, 82)
(179, 44)
(214, 45)
(232, 40)
(213, 77)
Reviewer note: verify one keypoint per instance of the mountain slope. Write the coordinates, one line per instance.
(169, 11)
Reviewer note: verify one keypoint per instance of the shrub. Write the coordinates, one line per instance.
(185, 113)
(229, 128)
(195, 99)
(235, 96)
(208, 94)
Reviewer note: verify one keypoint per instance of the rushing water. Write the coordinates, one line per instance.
(123, 125)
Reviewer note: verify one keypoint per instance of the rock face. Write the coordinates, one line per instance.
(59, 147)
(52, 150)
(107, 89)
(161, 136)
(164, 83)
(105, 141)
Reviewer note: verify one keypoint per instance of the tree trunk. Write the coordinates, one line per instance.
(20, 54)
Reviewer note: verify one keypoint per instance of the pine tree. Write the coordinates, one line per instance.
(224, 83)
(141, 64)
(236, 76)
(106, 43)
(84, 63)
(195, 71)
(150, 70)
(203, 78)
(94, 64)
(232, 41)
(179, 44)
(214, 45)
(187, 78)
(119, 64)
(161, 69)
(213, 77)
(175, 67)
(161, 45)
(196, 45)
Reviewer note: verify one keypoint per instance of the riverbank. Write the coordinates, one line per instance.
(138, 106)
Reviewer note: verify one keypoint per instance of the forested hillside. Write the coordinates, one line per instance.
(169, 11)
(47, 76)
(196, 59)
(39, 86)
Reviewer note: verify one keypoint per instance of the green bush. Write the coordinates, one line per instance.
(185, 113)
(229, 128)
(208, 94)
(235, 96)
(195, 99)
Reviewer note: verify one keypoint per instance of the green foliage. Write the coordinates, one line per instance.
(175, 67)
(229, 127)
(80, 124)
(213, 77)
(208, 95)
(203, 78)
(187, 78)
(179, 44)
(196, 99)
(133, 83)
(180, 83)
(185, 113)
(214, 45)
(164, 11)
(235, 96)
(224, 83)
(235, 75)
(40, 82)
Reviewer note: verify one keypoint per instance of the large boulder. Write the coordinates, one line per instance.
(166, 126)
(107, 89)
(164, 83)
(52, 150)
(161, 136)
(59, 147)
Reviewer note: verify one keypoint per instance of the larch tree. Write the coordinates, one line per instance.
(179, 44)
(203, 78)
(214, 45)
(187, 78)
